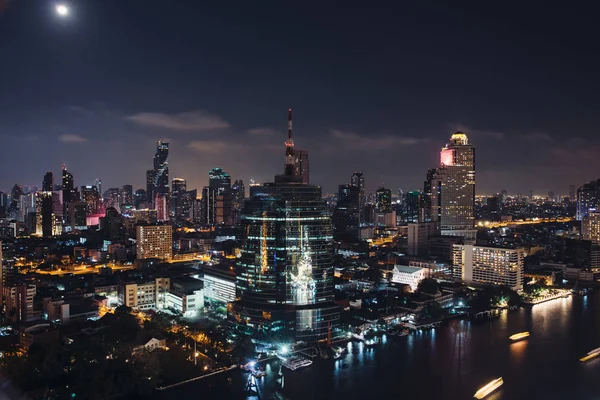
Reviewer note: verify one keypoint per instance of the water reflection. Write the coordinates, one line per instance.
(517, 351)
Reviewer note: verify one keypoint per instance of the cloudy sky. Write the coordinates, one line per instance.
(373, 89)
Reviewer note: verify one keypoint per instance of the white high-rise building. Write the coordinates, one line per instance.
(155, 241)
(453, 189)
(498, 266)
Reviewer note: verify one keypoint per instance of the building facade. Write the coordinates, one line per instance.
(453, 188)
(154, 241)
(491, 265)
(408, 275)
(285, 273)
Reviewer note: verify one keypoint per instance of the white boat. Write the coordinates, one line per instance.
(489, 388)
(592, 354)
(296, 363)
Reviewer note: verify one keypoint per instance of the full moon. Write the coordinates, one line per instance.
(62, 10)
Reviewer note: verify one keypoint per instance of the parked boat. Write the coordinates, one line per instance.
(295, 363)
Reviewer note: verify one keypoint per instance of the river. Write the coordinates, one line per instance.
(450, 362)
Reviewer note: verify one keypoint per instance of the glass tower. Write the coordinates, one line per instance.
(285, 272)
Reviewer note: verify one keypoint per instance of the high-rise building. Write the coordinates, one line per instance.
(412, 206)
(113, 198)
(150, 186)
(239, 194)
(154, 241)
(179, 204)
(588, 198)
(48, 182)
(161, 169)
(358, 180)
(98, 185)
(44, 214)
(139, 197)
(383, 200)
(453, 188)
(127, 195)
(285, 273)
(219, 182)
(19, 302)
(498, 266)
(91, 197)
(418, 238)
(572, 193)
(346, 217)
(302, 165)
(161, 205)
(69, 191)
(590, 227)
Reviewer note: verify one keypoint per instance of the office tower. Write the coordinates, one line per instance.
(219, 182)
(77, 215)
(588, 198)
(302, 165)
(426, 206)
(69, 191)
(590, 227)
(91, 197)
(194, 205)
(453, 188)
(572, 193)
(161, 169)
(224, 208)
(98, 185)
(154, 241)
(127, 194)
(383, 200)
(493, 208)
(150, 186)
(19, 302)
(412, 205)
(48, 182)
(180, 200)
(113, 198)
(346, 217)
(492, 265)
(239, 194)
(139, 197)
(418, 238)
(285, 273)
(358, 180)
(161, 205)
(3, 204)
(112, 225)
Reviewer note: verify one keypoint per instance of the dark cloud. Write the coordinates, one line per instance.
(72, 138)
(198, 120)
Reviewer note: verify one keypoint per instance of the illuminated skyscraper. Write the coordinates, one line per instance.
(358, 180)
(178, 199)
(453, 189)
(285, 273)
(383, 200)
(149, 186)
(161, 169)
(588, 199)
(219, 184)
(302, 165)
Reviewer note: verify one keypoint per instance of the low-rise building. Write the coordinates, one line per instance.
(186, 296)
(408, 275)
(219, 284)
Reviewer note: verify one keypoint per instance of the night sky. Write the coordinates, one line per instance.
(378, 90)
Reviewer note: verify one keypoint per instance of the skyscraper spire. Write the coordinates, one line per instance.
(290, 160)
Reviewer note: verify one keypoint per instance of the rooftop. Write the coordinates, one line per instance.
(408, 269)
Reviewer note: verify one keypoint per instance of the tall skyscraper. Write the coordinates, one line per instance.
(302, 165)
(588, 198)
(127, 194)
(453, 188)
(383, 200)
(285, 277)
(347, 211)
(178, 199)
(154, 241)
(150, 186)
(412, 205)
(426, 206)
(161, 169)
(48, 182)
(358, 180)
(219, 183)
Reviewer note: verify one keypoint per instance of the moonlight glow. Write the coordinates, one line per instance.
(62, 10)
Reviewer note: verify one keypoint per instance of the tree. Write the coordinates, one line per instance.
(428, 286)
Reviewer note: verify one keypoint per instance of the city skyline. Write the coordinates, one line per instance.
(387, 115)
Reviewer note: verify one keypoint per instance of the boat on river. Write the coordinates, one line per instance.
(590, 355)
(489, 388)
(519, 336)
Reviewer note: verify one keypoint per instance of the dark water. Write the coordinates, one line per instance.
(451, 362)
